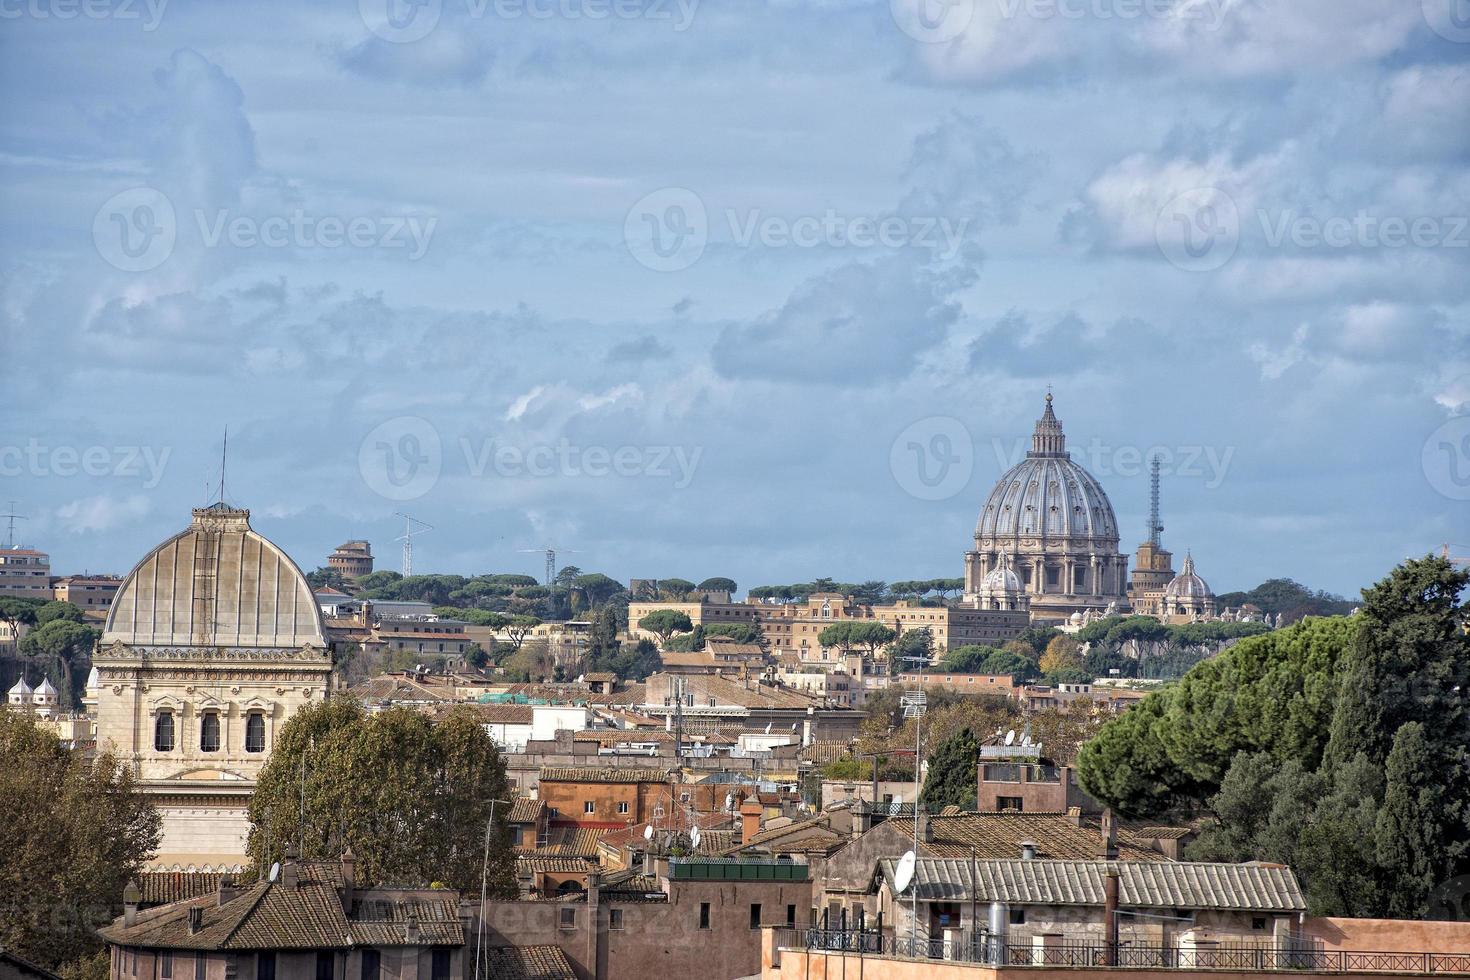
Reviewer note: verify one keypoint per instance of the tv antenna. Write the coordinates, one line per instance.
(407, 538)
(12, 517)
(550, 552)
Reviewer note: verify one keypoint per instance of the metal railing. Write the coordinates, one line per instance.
(983, 949)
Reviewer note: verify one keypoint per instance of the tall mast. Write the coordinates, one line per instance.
(1154, 527)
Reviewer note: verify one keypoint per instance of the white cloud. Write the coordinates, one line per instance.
(90, 515)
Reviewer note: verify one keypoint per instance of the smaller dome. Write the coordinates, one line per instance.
(45, 689)
(1075, 619)
(92, 681)
(1001, 578)
(21, 687)
(1188, 585)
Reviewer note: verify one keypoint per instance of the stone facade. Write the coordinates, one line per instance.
(1051, 522)
(212, 642)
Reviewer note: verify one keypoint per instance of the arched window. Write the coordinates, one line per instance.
(209, 731)
(255, 732)
(163, 732)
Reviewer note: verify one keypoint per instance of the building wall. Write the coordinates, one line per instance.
(656, 939)
(569, 799)
(25, 574)
(201, 833)
(1388, 935)
(402, 963)
(1035, 794)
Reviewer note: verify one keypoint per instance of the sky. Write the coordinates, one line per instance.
(763, 289)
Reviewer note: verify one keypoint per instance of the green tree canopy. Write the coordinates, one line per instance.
(66, 646)
(410, 797)
(52, 611)
(718, 584)
(739, 632)
(665, 623)
(74, 832)
(952, 779)
(675, 588)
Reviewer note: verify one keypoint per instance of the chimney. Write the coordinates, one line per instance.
(411, 934)
(750, 819)
(196, 919)
(228, 891)
(926, 826)
(1074, 814)
(1028, 850)
(1109, 835)
(594, 888)
(1110, 917)
(349, 879)
(289, 870)
(131, 897)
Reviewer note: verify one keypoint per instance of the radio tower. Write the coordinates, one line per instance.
(1155, 529)
(12, 517)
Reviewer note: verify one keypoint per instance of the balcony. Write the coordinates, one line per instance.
(985, 952)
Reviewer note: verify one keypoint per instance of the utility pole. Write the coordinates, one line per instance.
(484, 887)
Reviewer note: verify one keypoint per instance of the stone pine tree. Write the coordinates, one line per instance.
(952, 773)
(410, 797)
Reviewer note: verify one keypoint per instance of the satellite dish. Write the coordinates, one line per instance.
(729, 801)
(275, 871)
(648, 832)
(1011, 737)
(903, 875)
(768, 727)
(896, 807)
(694, 836)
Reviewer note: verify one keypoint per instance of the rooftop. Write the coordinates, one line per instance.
(603, 774)
(1167, 884)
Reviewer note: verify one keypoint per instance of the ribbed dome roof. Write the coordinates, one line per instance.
(217, 583)
(45, 688)
(21, 687)
(1002, 579)
(1188, 585)
(1047, 494)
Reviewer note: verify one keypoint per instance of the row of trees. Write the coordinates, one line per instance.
(872, 592)
(1338, 746)
(56, 641)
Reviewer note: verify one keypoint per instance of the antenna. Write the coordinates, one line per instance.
(224, 455)
(12, 517)
(903, 875)
(550, 551)
(407, 538)
(1155, 529)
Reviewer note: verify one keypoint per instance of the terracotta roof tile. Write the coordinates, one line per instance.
(603, 774)
(529, 963)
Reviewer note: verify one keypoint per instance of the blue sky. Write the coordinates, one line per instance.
(770, 290)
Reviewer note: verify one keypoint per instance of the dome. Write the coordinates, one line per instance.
(217, 583)
(1188, 585)
(1002, 579)
(44, 689)
(1047, 495)
(22, 688)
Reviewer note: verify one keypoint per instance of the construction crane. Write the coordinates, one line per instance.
(407, 538)
(1445, 551)
(550, 552)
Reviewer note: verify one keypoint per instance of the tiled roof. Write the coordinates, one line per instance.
(805, 831)
(524, 809)
(1163, 833)
(1183, 885)
(270, 915)
(999, 836)
(632, 886)
(603, 774)
(567, 842)
(825, 751)
(529, 963)
(599, 677)
(162, 887)
(498, 714)
(532, 863)
(387, 687)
